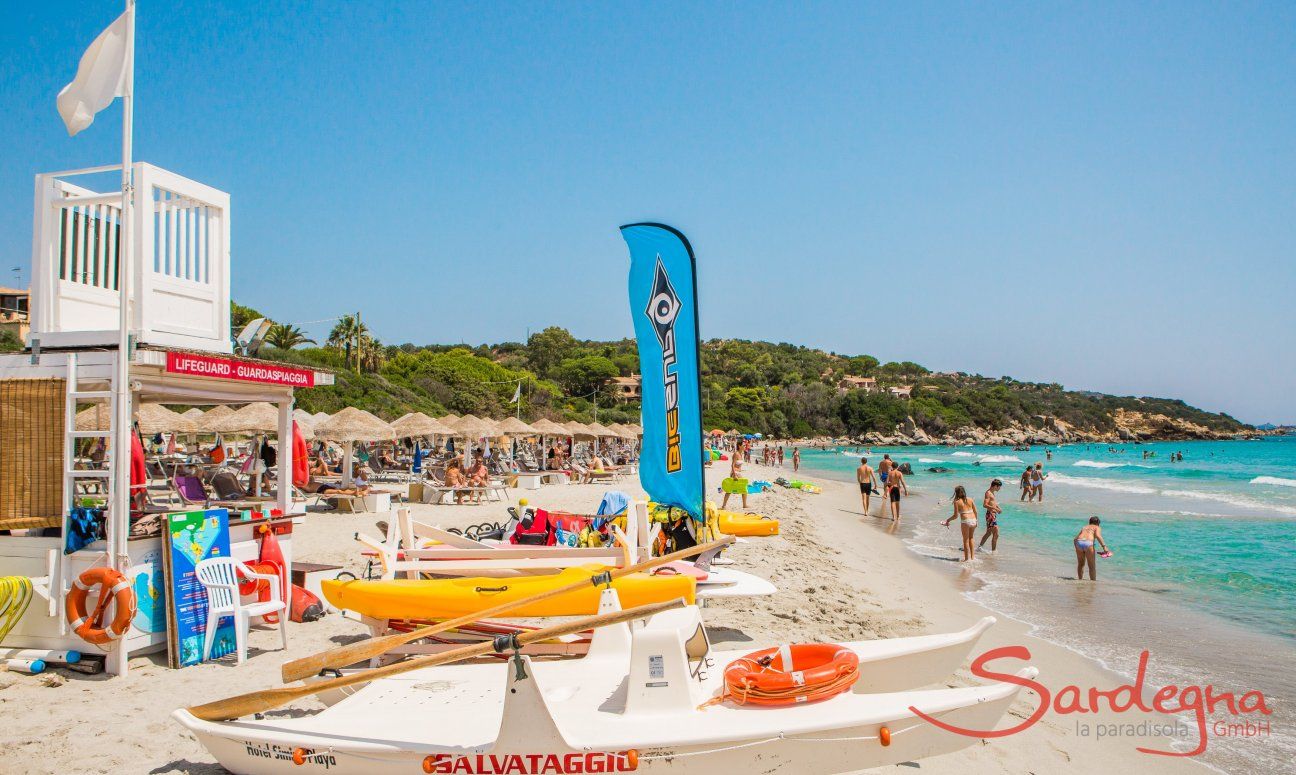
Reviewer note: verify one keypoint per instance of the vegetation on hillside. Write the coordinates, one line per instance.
(776, 389)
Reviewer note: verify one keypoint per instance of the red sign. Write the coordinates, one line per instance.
(228, 368)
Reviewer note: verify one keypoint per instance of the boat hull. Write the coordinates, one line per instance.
(450, 598)
(840, 750)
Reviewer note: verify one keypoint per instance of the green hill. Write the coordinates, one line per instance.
(781, 390)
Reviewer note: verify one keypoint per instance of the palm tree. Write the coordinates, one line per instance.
(371, 354)
(345, 334)
(286, 337)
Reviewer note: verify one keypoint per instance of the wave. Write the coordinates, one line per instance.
(999, 459)
(963, 454)
(1096, 464)
(1246, 503)
(1101, 484)
(1274, 480)
(930, 460)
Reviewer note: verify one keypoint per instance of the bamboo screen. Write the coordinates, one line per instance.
(31, 452)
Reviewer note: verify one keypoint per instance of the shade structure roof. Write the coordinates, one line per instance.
(259, 417)
(152, 418)
(449, 420)
(193, 413)
(622, 431)
(305, 423)
(419, 424)
(549, 427)
(352, 424)
(512, 426)
(578, 429)
(600, 430)
(212, 416)
(473, 427)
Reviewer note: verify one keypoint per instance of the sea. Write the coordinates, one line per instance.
(1202, 576)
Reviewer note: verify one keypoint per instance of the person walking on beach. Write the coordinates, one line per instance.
(1084, 548)
(895, 481)
(796, 459)
(1027, 490)
(780, 456)
(965, 512)
(864, 474)
(735, 472)
(884, 468)
(1037, 482)
(992, 511)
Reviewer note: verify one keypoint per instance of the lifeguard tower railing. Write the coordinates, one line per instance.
(180, 294)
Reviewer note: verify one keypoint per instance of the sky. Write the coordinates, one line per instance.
(1100, 195)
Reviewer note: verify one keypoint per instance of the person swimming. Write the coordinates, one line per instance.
(1084, 542)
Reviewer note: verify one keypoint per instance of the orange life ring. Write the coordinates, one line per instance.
(786, 675)
(112, 586)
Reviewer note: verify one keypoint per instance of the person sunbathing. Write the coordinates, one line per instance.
(316, 487)
(455, 479)
(319, 468)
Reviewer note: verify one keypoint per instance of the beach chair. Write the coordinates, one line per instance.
(190, 490)
(220, 577)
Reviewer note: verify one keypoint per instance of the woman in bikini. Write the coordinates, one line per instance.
(1084, 542)
(966, 513)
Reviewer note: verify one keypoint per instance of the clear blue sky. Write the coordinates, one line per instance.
(1098, 195)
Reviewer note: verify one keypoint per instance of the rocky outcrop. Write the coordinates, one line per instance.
(1049, 431)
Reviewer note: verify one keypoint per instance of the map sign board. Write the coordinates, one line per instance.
(190, 538)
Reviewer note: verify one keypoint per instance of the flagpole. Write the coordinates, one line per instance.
(120, 509)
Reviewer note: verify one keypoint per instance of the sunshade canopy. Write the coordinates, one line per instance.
(352, 424)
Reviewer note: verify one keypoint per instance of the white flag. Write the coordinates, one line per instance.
(100, 78)
(517, 394)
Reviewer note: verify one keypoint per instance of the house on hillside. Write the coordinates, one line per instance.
(14, 311)
(627, 389)
(848, 383)
(901, 391)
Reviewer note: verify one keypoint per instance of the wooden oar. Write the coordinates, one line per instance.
(256, 702)
(304, 667)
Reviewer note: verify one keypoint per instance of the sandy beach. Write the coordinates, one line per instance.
(841, 576)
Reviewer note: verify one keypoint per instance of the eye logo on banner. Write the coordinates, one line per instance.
(662, 310)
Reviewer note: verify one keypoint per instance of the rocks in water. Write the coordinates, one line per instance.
(938, 470)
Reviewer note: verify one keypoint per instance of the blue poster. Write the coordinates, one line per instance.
(192, 537)
(663, 304)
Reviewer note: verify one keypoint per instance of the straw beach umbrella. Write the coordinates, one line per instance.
(192, 413)
(512, 426)
(349, 426)
(305, 423)
(213, 416)
(259, 417)
(549, 427)
(575, 429)
(419, 424)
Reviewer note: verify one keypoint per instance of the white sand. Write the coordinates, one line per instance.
(841, 577)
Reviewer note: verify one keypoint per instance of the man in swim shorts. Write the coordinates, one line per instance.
(864, 474)
(895, 481)
(884, 468)
(992, 512)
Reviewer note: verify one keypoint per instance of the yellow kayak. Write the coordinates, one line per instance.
(738, 524)
(449, 598)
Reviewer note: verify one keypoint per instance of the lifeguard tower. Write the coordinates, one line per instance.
(179, 351)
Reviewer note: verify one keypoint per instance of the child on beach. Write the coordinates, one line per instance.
(992, 511)
(1027, 492)
(1084, 548)
(965, 511)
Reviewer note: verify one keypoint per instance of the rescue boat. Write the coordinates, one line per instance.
(649, 697)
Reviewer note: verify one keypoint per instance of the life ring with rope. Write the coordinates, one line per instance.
(113, 586)
(787, 675)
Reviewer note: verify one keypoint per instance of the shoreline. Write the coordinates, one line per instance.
(970, 587)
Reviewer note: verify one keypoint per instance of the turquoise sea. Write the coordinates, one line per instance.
(1203, 573)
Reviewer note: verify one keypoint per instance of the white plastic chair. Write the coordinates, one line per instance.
(220, 576)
